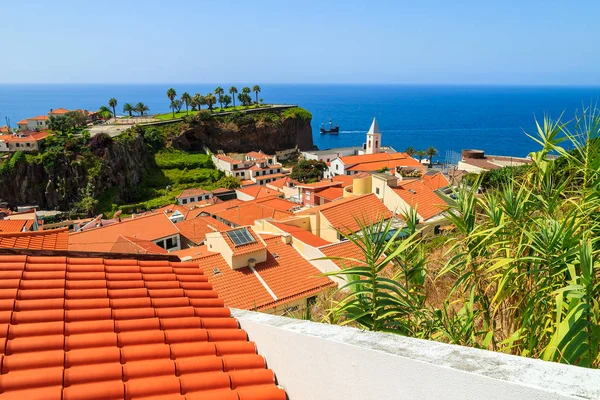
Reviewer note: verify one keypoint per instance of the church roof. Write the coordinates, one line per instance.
(374, 128)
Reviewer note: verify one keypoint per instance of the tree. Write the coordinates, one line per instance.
(431, 152)
(177, 104)
(410, 151)
(196, 101)
(113, 104)
(245, 99)
(233, 91)
(256, 90)
(68, 122)
(229, 182)
(128, 108)
(186, 99)
(171, 94)
(219, 93)
(210, 101)
(141, 108)
(227, 100)
(154, 137)
(420, 154)
(308, 171)
(104, 112)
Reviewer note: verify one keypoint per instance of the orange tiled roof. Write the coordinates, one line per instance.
(79, 328)
(280, 183)
(271, 176)
(258, 155)
(147, 227)
(258, 191)
(332, 193)
(389, 164)
(277, 203)
(35, 136)
(289, 276)
(257, 167)
(300, 234)
(343, 214)
(345, 249)
(4, 129)
(57, 239)
(195, 229)
(348, 180)
(246, 214)
(228, 159)
(258, 243)
(193, 192)
(126, 245)
(22, 122)
(9, 225)
(171, 208)
(194, 252)
(59, 111)
(212, 210)
(366, 158)
(318, 185)
(435, 181)
(39, 118)
(417, 195)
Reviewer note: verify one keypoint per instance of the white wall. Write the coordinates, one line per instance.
(312, 254)
(318, 361)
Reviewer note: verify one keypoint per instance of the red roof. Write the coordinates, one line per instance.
(332, 193)
(171, 208)
(435, 181)
(212, 210)
(246, 214)
(347, 213)
(193, 193)
(56, 239)
(22, 122)
(417, 195)
(280, 183)
(366, 158)
(39, 118)
(12, 225)
(289, 277)
(272, 176)
(353, 255)
(238, 250)
(258, 155)
(195, 229)
(228, 159)
(389, 161)
(32, 137)
(194, 252)
(59, 111)
(302, 235)
(318, 185)
(258, 191)
(148, 227)
(96, 328)
(126, 245)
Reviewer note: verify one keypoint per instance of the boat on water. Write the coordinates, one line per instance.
(332, 129)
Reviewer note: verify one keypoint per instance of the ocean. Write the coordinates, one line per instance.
(449, 118)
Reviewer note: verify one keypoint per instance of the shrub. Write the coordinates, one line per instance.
(99, 143)
(155, 137)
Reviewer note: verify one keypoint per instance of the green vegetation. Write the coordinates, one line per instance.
(70, 122)
(10, 164)
(298, 113)
(308, 171)
(112, 103)
(171, 94)
(229, 182)
(170, 158)
(521, 272)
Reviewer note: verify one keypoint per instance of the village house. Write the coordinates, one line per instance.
(156, 228)
(38, 123)
(254, 192)
(257, 170)
(310, 194)
(475, 161)
(193, 195)
(31, 141)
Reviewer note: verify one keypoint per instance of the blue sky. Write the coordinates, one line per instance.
(451, 42)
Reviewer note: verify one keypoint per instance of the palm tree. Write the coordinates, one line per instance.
(219, 93)
(171, 94)
(233, 91)
(246, 90)
(113, 104)
(256, 90)
(187, 99)
(196, 101)
(141, 108)
(128, 108)
(410, 151)
(104, 112)
(210, 100)
(431, 152)
(420, 154)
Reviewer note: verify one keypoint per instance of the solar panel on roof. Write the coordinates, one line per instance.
(240, 237)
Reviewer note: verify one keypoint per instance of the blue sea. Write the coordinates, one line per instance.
(450, 118)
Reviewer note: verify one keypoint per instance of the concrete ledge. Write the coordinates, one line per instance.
(319, 361)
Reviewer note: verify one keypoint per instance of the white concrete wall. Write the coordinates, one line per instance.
(313, 254)
(469, 168)
(318, 361)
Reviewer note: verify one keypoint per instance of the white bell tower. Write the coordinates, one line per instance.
(373, 144)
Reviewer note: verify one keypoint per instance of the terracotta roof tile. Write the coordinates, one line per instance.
(193, 192)
(22, 122)
(59, 111)
(126, 244)
(417, 195)
(258, 155)
(367, 158)
(435, 181)
(280, 183)
(16, 225)
(345, 249)
(148, 227)
(332, 193)
(289, 276)
(213, 209)
(346, 213)
(248, 212)
(194, 252)
(228, 159)
(57, 239)
(300, 234)
(39, 118)
(318, 185)
(258, 191)
(195, 229)
(132, 342)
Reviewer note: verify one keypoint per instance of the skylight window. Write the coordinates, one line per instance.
(240, 237)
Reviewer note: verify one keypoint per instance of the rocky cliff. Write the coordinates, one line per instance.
(241, 133)
(56, 182)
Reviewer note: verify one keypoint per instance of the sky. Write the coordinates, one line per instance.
(525, 42)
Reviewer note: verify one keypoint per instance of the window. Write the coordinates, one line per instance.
(171, 242)
(376, 190)
(336, 167)
(18, 145)
(278, 170)
(161, 243)
(369, 143)
(376, 143)
(28, 145)
(184, 201)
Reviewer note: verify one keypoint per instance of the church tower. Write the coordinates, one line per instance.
(373, 144)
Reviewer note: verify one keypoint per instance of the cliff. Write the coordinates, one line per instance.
(56, 180)
(240, 133)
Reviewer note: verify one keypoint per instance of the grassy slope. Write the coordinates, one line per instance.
(216, 109)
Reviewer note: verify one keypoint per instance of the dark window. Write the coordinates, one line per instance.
(161, 244)
(184, 201)
(28, 144)
(376, 190)
(436, 230)
(171, 242)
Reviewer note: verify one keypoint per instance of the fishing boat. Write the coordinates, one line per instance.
(332, 129)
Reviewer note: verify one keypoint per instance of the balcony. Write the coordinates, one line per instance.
(318, 361)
